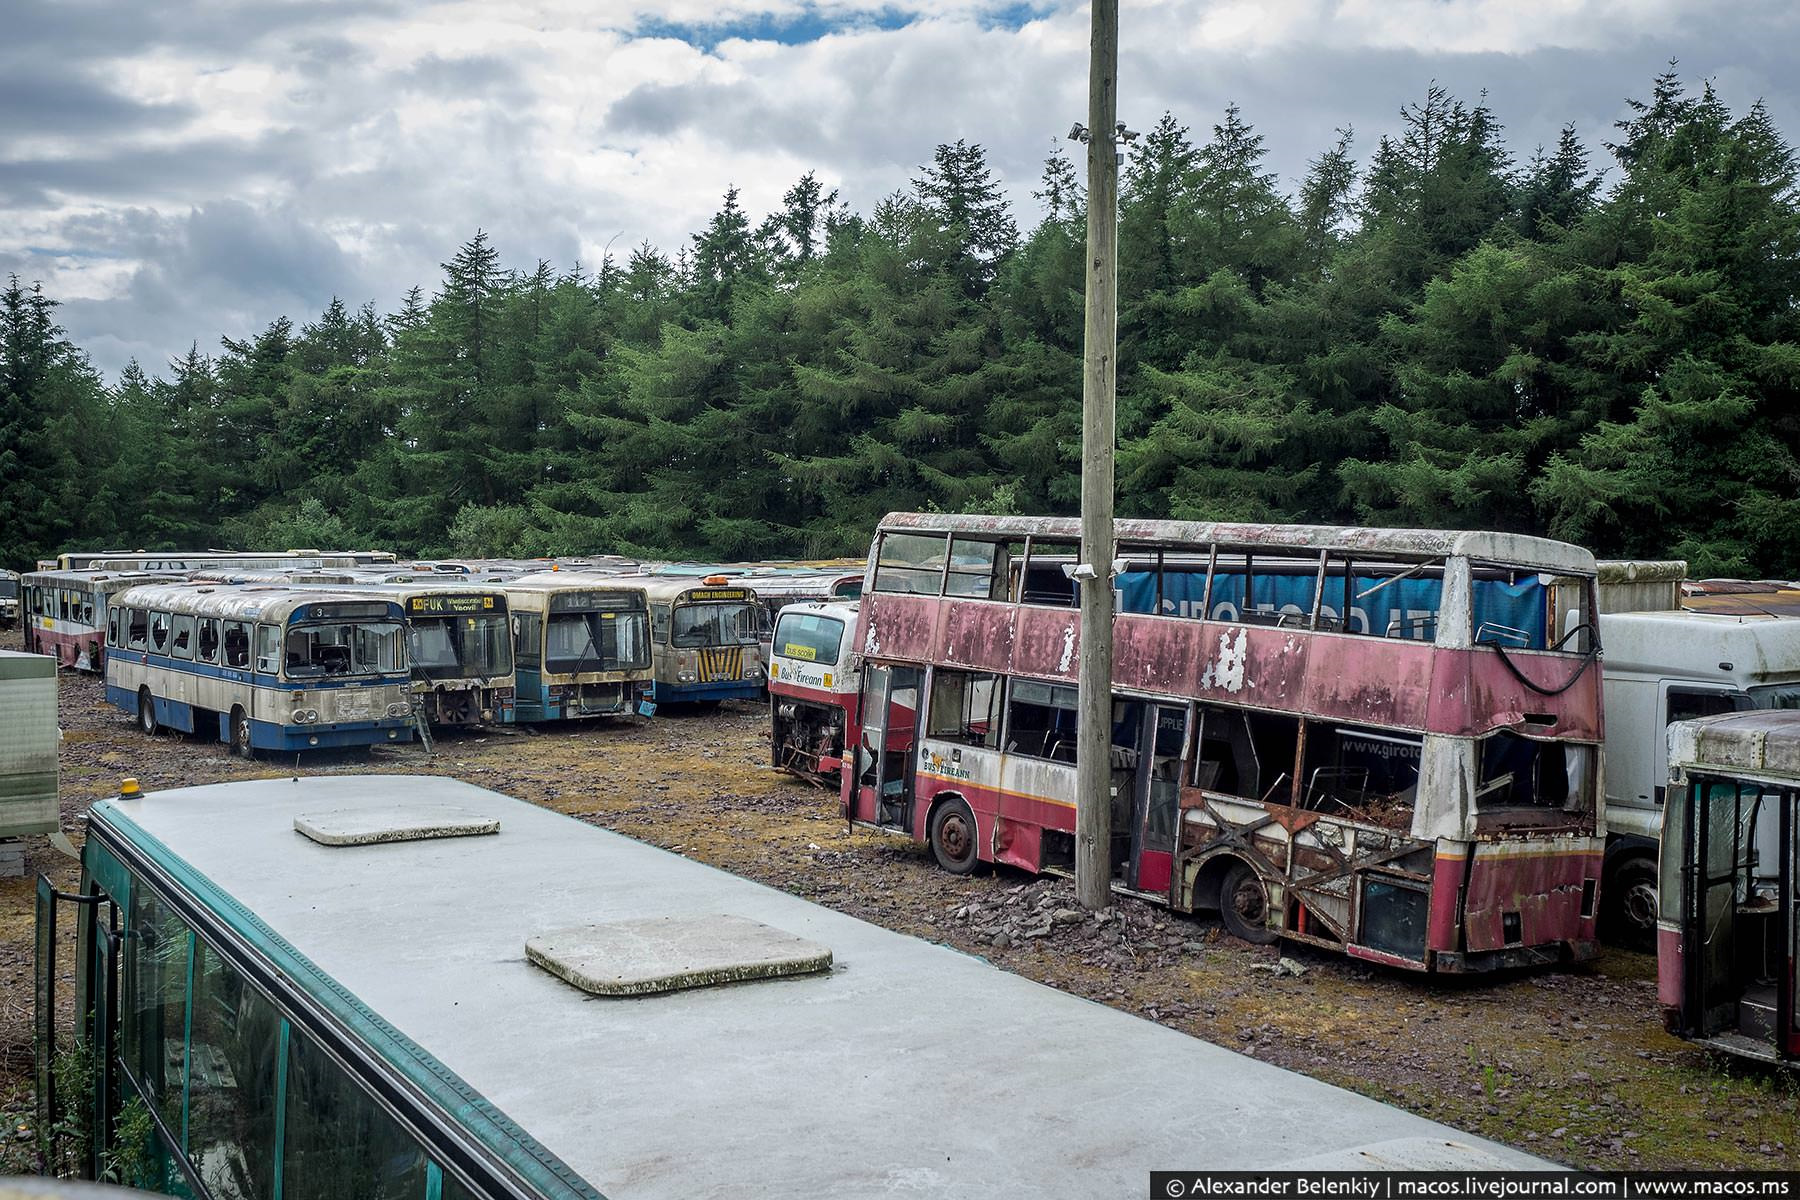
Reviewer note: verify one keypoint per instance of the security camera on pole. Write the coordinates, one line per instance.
(1093, 765)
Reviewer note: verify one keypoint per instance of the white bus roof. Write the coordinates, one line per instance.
(1734, 649)
(240, 601)
(1512, 549)
(907, 1067)
(1763, 745)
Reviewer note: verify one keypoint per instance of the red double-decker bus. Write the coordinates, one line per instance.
(1385, 742)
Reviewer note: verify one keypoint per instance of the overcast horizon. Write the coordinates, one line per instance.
(173, 177)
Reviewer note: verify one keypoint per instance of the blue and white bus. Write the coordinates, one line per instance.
(313, 989)
(261, 667)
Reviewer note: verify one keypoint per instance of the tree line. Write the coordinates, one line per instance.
(1437, 336)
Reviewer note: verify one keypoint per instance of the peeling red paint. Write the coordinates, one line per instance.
(1382, 681)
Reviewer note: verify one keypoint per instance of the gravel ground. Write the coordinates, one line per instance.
(1569, 1064)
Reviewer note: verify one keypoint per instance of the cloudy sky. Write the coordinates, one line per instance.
(180, 171)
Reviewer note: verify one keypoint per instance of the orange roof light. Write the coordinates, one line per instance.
(715, 580)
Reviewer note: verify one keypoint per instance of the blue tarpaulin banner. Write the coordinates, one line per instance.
(1514, 614)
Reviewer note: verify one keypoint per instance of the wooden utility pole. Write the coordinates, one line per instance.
(1093, 753)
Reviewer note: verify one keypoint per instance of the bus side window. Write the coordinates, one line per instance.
(138, 629)
(62, 602)
(1040, 720)
(911, 562)
(268, 648)
(965, 707)
(972, 570)
(112, 628)
(159, 632)
(183, 643)
(237, 644)
(338, 1141)
(659, 624)
(209, 640)
(87, 608)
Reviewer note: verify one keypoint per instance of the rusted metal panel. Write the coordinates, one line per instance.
(1390, 682)
(1372, 680)
(1540, 880)
(1046, 644)
(899, 627)
(973, 637)
(1497, 699)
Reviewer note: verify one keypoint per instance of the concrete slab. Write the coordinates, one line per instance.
(673, 953)
(400, 823)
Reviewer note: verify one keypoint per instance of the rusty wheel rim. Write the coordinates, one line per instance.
(954, 836)
(1250, 901)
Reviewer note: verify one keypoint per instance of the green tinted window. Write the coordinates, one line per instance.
(155, 1003)
(231, 1082)
(338, 1142)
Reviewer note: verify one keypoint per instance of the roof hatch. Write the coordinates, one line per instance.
(669, 954)
(395, 823)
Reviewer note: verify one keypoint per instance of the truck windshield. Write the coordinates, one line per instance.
(460, 647)
(596, 641)
(344, 648)
(1775, 695)
(9, 590)
(714, 625)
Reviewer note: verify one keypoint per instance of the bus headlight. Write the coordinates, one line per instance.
(305, 716)
(754, 674)
(686, 677)
(398, 710)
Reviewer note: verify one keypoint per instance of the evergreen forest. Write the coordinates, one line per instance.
(1599, 343)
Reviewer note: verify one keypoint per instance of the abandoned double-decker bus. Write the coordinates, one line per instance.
(1379, 741)
(1728, 926)
(581, 646)
(65, 612)
(813, 687)
(705, 639)
(260, 667)
(251, 1040)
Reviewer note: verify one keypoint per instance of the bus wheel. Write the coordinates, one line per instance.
(240, 734)
(147, 712)
(1630, 909)
(1244, 906)
(953, 837)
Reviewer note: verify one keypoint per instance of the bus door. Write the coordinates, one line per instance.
(95, 1010)
(1789, 896)
(1709, 922)
(884, 758)
(1155, 808)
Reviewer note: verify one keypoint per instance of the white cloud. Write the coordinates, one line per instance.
(349, 148)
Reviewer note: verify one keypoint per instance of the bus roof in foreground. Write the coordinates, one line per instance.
(1512, 549)
(1762, 744)
(907, 1066)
